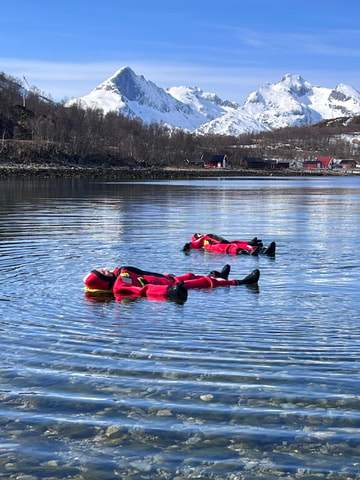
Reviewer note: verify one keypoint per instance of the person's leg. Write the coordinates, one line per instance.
(212, 282)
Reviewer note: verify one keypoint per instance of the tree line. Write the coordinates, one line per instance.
(35, 128)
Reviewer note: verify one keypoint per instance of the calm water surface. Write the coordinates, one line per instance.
(237, 383)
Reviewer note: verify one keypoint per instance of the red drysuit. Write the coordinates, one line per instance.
(215, 243)
(132, 281)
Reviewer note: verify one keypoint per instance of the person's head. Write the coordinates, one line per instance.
(100, 279)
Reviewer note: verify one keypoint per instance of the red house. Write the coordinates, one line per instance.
(320, 162)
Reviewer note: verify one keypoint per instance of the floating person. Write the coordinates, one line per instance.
(217, 244)
(127, 281)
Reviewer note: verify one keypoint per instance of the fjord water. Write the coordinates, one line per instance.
(237, 383)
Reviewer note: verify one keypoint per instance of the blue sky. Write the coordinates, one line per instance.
(228, 47)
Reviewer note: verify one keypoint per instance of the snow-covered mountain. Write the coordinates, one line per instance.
(290, 102)
(133, 96)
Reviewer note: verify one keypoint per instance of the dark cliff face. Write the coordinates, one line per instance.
(126, 83)
(340, 96)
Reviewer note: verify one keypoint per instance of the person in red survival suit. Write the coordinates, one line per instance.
(127, 281)
(215, 243)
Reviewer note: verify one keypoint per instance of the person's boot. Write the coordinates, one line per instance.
(255, 252)
(225, 271)
(250, 279)
(186, 247)
(270, 250)
(255, 242)
(177, 292)
(223, 274)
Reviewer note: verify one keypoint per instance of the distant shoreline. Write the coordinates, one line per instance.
(9, 170)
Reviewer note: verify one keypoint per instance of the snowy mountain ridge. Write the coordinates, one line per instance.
(290, 102)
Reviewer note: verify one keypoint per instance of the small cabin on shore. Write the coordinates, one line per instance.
(265, 164)
(347, 163)
(215, 161)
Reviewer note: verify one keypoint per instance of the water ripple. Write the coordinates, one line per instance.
(236, 383)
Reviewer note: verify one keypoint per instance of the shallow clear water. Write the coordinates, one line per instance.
(237, 383)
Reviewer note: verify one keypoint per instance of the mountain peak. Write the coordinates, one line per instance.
(125, 82)
(296, 84)
(348, 91)
(122, 71)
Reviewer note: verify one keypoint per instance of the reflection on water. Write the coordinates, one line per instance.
(236, 383)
